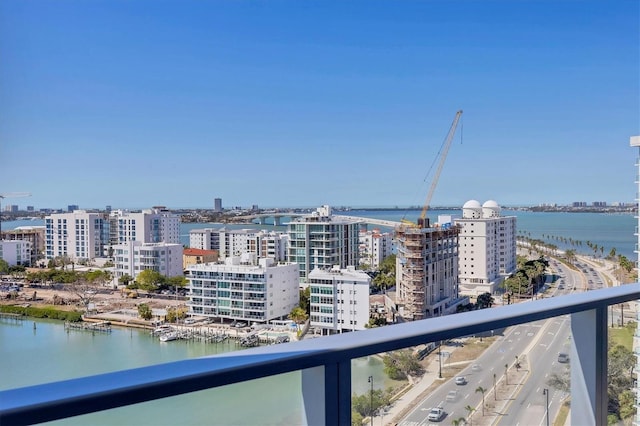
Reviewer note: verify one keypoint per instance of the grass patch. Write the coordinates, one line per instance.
(42, 312)
(622, 335)
(561, 418)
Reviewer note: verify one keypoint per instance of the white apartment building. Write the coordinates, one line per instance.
(487, 247)
(16, 252)
(236, 242)
(154, 225)
(339, 299)
(204, 239)
(374, 247)
(321, 240)
(134, 256)
(77, 235)
(243, 291)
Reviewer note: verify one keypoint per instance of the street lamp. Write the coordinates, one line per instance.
(371, 400)
(545, 392)
(439, 360)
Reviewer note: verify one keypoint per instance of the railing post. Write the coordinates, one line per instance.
(589, 397)
(326, 394)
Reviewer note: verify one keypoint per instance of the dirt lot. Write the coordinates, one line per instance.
(104, 300)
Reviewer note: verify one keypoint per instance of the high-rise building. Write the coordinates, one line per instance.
(77, 235)
(374, 246)
(426, 270)
(339, 299)
(243, 290)
(322, 240)
(487, 247)
(635, 143)
(148, 226)
(217, 205)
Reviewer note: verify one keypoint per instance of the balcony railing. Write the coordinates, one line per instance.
(326, 364)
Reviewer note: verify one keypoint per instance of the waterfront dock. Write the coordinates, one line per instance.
(103, 327)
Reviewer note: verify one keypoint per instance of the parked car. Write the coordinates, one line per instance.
(241, 324)
(436, 414)
(189, 321)
(563, 358)
(452, 396)
(460, 380)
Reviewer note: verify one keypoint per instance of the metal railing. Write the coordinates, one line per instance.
(326, 364)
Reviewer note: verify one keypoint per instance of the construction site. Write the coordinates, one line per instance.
(427, 258)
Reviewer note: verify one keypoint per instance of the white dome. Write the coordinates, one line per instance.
(472, 204)
(490, 209)
(471, 209)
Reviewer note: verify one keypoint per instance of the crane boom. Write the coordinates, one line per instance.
(447, 143)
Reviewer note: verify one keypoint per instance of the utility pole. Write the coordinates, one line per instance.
(371, 400)
(439, 360)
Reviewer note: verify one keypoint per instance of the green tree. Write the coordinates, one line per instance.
(4, 267)
(470, 410)
(125, 279)
(305, 299)
(402, 363)
(481, 390)
(484, 300)
(298, 315)
(149, 280)
(386, 276)
(144, 311)
(362, 404)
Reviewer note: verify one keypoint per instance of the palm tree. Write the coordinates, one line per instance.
(459, 421)
(482, 391)
(470, 409)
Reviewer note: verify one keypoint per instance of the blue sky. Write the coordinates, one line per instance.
(303, 103)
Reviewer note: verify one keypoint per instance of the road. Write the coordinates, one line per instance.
(540, 341)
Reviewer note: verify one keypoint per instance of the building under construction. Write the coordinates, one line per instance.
(426, 270)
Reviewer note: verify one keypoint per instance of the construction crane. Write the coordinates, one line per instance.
(423, 222)
(10, 195)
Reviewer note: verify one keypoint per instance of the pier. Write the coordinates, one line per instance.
(103, 327)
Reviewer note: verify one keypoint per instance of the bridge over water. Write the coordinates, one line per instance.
(277, 219)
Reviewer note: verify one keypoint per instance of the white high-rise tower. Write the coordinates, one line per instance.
(635, 142)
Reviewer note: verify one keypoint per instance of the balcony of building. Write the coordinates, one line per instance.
(325, 365)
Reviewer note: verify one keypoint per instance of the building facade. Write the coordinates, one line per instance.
(339, 299)
(374, 247)
(33, 234)
(192, 256)
(148, 226)
(16, 252)
(321, 240)
(634, 142)
(77, 235)
(487, 247)
(133, 257)
(426, 271)
(236, 242)
(243, 291)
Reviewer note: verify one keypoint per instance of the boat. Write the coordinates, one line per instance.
(161, 330)
(167, 337)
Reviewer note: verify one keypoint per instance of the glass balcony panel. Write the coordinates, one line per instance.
(248, 403)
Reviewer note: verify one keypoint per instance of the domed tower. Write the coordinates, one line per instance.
(490, 209)
(472, 210)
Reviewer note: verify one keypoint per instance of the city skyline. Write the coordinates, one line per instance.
(303, 103)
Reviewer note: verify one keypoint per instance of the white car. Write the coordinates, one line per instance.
(476, 367)
(461, 380)
(452, 395)
(436, 414)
